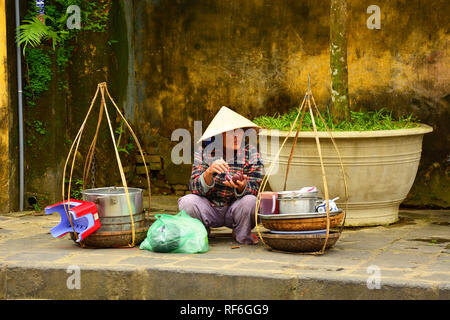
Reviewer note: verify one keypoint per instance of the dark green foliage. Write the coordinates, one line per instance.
(48, 48)
(76, 187)
(39, 74)
(35, 36)
(39, 127)
(33, 31)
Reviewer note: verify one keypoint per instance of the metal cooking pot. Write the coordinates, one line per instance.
(112, 201)
(116, 226)
(297, 202)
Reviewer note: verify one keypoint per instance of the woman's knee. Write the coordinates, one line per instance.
(245, 208)
(248, 201)
(188, 203)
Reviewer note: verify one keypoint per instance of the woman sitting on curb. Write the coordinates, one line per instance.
(214, 200)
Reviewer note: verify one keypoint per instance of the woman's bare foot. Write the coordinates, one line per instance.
(255, 238)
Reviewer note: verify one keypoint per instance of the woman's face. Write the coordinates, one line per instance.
(233, 139)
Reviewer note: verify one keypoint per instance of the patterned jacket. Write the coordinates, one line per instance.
(246, 160)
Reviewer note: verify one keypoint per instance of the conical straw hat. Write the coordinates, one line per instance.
(226, 120)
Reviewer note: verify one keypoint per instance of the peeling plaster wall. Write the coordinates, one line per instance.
(4, 115)
(192, 57)
(179, 61)
(9, 148)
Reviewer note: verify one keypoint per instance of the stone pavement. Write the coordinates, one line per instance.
(411, 258)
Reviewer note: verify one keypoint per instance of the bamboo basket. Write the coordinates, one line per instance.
(300, 242)
(115, 238)
(314, 244)
(302, 224)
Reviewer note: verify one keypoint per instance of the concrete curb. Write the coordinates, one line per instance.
(410, 259)
(47, 282)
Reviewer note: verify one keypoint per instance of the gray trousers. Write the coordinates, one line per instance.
(240, 215)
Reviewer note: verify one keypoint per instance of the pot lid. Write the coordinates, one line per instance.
(107, 191)
(285, 195)
(296, 195)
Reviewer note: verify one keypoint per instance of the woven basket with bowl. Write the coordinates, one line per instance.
(300, 243)
(302, 230)
(292, 222)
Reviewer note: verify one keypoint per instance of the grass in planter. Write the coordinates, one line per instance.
(359, 121)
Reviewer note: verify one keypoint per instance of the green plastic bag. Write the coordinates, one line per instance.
(178, 233)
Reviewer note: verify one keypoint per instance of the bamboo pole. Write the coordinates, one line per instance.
(102, 88)
(306, 106)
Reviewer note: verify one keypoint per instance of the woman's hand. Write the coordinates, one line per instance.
(238, 184)
(219, 166)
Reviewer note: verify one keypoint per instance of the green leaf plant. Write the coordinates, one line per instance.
(33, 31)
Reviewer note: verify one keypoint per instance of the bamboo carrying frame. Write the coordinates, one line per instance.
(304, 107)
(102, 87)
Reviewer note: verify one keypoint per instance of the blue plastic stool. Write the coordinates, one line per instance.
(84, 218)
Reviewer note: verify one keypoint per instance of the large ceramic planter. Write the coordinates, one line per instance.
(380, 165)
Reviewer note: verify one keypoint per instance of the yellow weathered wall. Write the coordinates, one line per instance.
(192, 57)
(255, 55)
(5, 165)
(177, 62)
